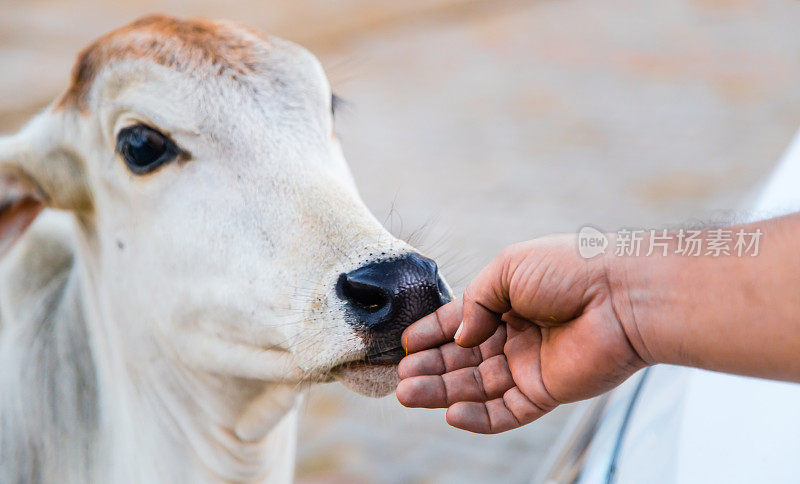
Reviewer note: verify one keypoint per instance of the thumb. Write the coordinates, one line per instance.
(485, 300)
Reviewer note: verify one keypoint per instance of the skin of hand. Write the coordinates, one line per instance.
(541, 326)
(540, 329)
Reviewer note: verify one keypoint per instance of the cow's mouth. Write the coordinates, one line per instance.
(373, 380)
(373, 375)
(391, 356)
(385, 357)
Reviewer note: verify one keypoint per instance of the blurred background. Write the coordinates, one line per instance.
(470, 125)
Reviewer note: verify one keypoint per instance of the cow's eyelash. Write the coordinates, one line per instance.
(336, 103)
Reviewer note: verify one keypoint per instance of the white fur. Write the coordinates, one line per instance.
(162, 327)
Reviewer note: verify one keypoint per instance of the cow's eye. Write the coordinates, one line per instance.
(145, 149)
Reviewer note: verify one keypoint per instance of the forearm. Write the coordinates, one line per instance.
(731, 313)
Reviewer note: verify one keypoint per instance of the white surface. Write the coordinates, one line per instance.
(739, 430)
(781, 194)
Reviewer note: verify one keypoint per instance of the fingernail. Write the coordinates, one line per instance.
(458, 331)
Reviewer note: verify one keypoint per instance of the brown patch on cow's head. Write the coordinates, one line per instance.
(185, 45)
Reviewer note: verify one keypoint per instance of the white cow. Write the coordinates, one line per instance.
(209, 257)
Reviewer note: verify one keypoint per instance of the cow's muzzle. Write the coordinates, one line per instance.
(385, 297)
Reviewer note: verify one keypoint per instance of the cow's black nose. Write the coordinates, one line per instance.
(385, 297)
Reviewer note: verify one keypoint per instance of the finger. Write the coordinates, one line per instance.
(434, 329)
(426, 391)
(499, 415)
(438, 361)
(485, 300)
(450, 357)
(487, 381)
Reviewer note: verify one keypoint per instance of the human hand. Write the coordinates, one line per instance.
(539, 329)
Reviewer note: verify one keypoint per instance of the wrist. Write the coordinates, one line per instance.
(733, 312)
(629, 284)
(661, 299)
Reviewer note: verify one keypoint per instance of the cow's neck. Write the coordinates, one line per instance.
(86, 410)
(168, 423)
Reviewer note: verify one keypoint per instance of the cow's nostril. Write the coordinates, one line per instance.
(384, 297)
(365, 295)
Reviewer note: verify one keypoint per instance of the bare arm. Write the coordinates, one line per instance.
(542, 326)
(736, 314)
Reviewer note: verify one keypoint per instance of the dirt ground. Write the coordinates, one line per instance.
(487, 122)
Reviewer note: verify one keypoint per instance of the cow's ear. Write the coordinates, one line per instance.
(20, 203)
(37, 171)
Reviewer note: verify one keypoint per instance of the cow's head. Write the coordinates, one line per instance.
(220, 224)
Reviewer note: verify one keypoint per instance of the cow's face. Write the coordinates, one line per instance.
(222, 225)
